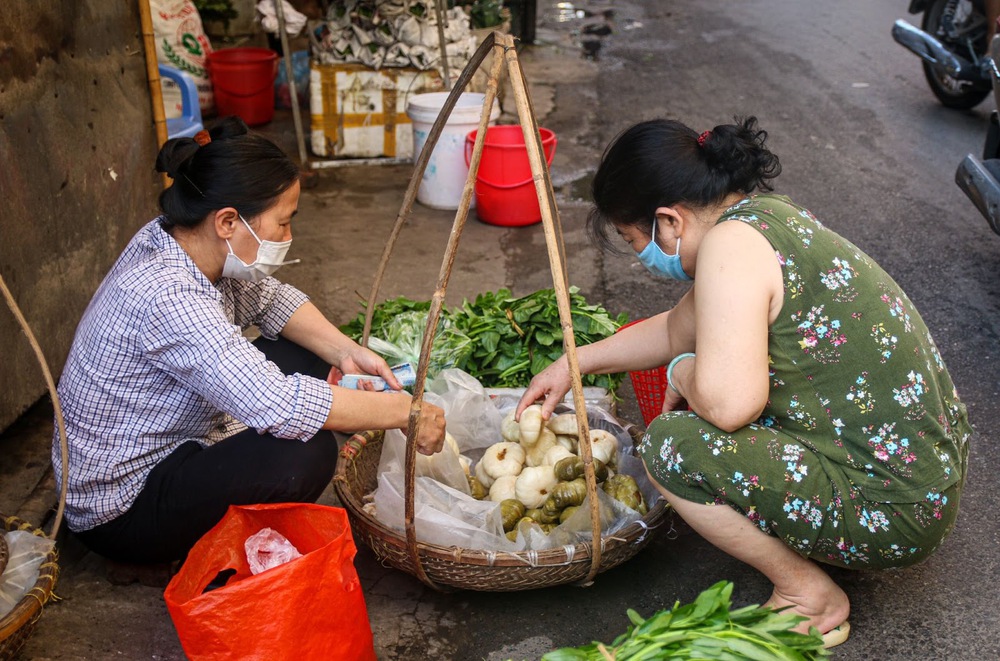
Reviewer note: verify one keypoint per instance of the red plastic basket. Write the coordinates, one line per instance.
(649, 386)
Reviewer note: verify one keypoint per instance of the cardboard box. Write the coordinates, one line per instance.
(361, 112)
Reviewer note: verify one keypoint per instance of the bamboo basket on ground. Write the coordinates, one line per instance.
(17, 625)
(448, 568)
(473, 569)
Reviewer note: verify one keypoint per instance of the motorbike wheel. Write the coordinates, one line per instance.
(953, 93)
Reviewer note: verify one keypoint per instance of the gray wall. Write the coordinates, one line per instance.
(77, 146)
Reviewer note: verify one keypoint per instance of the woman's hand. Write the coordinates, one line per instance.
(673, 401)
(359, 360)
(357, 409)
(430, 429)
(551, 384)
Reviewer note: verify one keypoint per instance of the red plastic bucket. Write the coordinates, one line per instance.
(243, 82)
(650, 386)
(505, 190)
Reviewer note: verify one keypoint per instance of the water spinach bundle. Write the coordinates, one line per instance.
(708, 628)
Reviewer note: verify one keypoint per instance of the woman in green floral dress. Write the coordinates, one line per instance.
(809, 416)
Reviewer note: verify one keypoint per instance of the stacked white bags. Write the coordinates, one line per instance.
(392, 33)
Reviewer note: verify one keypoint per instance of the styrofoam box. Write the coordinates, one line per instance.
(357, 111)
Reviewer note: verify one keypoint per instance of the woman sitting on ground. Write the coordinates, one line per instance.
(160, 373)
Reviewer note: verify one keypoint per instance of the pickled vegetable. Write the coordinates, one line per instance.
(534, 485)
(565, 494)
(568, 512)
(511, 511)
(624, 489)
(570, 468)
(477, 488)
(540, 515)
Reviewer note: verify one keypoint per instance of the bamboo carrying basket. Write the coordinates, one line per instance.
(20, 622)
(474, 569)
(17, 625)
(448, 568)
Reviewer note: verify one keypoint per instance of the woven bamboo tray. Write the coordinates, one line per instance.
(473, 569)
(18, 624)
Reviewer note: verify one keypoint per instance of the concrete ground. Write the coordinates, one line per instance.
(942, 609)
(345, 216)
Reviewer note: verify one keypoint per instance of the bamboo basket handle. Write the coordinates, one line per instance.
(418, 173)
(504, 45)
(63, 443)
(437, 300)
(557, 261)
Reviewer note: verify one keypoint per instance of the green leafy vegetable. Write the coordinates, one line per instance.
(383, 316)
(708, 628)
(398, 331)
(216, 10)
(501, 340)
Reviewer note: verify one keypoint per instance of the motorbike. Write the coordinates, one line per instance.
(978, 178)
(951, 42)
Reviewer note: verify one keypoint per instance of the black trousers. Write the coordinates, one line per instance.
(188, 492)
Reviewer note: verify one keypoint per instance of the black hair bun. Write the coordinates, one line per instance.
(229, 127)
(174, 154)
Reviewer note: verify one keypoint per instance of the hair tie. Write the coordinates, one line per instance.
(202, 138)
(701, 138)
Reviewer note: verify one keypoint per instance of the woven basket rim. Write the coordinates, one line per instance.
(27, 610)
(538, 558)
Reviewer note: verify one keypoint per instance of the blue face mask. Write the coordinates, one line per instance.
(660, 263)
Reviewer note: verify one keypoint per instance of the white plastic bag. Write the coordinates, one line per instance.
(294, 19)
(267, 549)
(472, 421)
(472, 418)
(445, 512)
(445, 466)
(27, 551)
(442, 515)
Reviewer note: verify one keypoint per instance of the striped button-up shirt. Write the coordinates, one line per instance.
(160, 358)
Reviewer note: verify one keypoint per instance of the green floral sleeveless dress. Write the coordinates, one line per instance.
(859, 457)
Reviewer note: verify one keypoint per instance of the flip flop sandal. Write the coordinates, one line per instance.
(837, 635)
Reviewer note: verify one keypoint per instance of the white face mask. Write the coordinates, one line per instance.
(270, 255)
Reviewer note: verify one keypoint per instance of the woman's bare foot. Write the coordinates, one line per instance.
(826, 606)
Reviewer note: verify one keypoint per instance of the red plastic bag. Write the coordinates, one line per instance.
(308, 608)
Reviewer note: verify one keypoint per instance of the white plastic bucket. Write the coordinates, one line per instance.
(446, 172)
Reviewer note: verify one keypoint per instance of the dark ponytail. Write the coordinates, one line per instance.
(662, 162)
(235, 169)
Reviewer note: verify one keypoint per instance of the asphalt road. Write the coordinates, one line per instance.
(868, 149)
